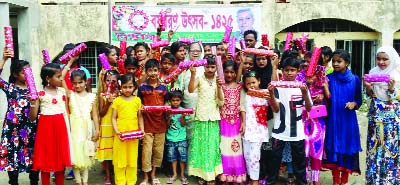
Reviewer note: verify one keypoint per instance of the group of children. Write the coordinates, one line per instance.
(232, 136)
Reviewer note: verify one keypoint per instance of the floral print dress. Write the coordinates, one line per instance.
(18, 133)
(383, 165)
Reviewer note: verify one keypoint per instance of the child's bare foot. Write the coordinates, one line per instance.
(144, 182)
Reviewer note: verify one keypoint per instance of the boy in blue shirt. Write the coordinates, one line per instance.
(176, 138)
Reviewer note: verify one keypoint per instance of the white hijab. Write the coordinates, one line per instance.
(393, 70)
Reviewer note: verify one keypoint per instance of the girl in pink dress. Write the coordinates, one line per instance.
(232, 127)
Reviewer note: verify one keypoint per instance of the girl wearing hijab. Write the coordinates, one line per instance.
(383, 166)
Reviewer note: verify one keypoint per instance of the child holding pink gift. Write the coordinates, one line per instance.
(153, 93)
(52, 144)
(84, 123)
(18, 132)
(205, 161)
(126, 116)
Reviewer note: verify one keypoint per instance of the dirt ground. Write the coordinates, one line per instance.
(96, 176)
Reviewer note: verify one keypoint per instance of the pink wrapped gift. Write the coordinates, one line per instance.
(73, 53)
(196, 63)
(301, 43)
(377, 78)
(287, 84)
(46, 56)
(186, 40)
(156, 108)
(313, 62)
(261, 93)
(122, 48)
(232, 46)
(173, 75)
(214, 50)
(104, 62)
(289, 38)
(227, 34)
(181, 111)
(158, 44)
(135, 134)
(30, 82)
(163, 20)
(264, 40)
(220, 69)
(242, 44)
(259, 52)
(8, 36)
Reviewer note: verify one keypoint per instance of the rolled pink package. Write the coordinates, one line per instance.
(227, 34)
(232, 46)
(73, 53)
(195, 63)
(8, 36)
(46, 56)
(313, 62)
(287, 84)
(173, 75)
(104, 62)
(122, 48)
(289, 38)
(158, 44)
(163, 20)
(135, 134)
(30, 82)
(214, 50)
(377, 78)
(186, 40)
(261, 93)
(220, 70)
(264, 40)
(182, 111)
(242, 44)
(259, 52)
(155, 108)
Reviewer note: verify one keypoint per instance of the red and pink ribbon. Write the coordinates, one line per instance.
(158, 44)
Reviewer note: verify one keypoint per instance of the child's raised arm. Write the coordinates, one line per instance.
(95, 118)
(306, 97)
(272, 100)
(239, 72)
(64, 73)
(193, 83)
(33, 111)
(104, 105)
(6, 54)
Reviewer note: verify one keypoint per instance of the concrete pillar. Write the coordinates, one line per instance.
(4, 21)
(386, 38)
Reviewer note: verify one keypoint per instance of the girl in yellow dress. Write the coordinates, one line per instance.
(82, 111)
(126, 116)
(104, 151)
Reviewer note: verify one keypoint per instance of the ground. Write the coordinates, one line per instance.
(96, 176)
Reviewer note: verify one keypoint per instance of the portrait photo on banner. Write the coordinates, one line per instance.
(205, 23)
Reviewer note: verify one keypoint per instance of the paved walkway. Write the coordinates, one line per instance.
(96, 176)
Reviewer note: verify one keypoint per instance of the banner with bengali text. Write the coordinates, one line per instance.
(205, 23)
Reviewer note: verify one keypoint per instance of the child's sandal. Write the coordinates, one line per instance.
(184, 181)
